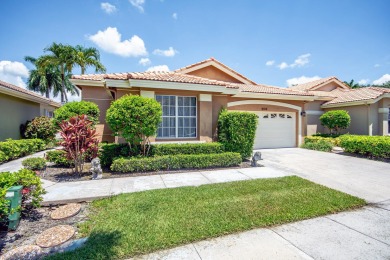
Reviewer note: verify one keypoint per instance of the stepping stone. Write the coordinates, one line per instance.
(66, 211)
(55, 236)
(30, 252)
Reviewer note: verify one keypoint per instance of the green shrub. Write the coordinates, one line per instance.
(76, 108)
(58, 157)
(32, 187)
(41, 127)
(135, 118)
(320, 145)
(13, 149)
(375, 146)
(335, 120)
(198, 148)
(179, 161)
(4, 204)
(236, 131)
(335, 141)
(109, 152)
(34, 163)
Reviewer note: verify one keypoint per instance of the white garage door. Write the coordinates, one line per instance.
(275, 130)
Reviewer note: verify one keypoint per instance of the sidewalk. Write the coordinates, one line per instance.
(359, 234)
(60, 193)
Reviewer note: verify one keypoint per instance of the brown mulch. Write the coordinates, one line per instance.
(62, 174)
(34, 223)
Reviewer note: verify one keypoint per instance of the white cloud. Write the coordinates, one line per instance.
(385, 78)
(13, 72)
(110, 41)
(167, 53)
(300, 61)
(144, 61)
(108, 8)
(283, 65)
(139, 4)
(270, 63)
(377, 65)
(363, 81)
(301, 80)
(174, 16)
(158, 68)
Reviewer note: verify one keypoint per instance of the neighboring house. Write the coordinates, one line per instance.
(17, 105)
(192, 97)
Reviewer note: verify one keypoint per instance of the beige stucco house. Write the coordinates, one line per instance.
(17, 105)
(192, 97)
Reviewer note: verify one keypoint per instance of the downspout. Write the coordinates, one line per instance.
(369, 124)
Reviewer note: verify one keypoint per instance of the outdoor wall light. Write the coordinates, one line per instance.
(303, 113)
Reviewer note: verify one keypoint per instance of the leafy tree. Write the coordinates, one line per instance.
(135, 118)
(88, 57)
(79, 140)
(75, 108)
(41, 127)
(335, 120)
(352, 84)
(63, 57)
(44, 79)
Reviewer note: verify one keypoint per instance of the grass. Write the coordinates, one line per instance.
(139, 223)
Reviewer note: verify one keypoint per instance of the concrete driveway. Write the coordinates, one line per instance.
(361, 177)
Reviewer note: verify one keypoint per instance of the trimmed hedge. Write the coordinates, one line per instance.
(173, 162)
(13, 149)
(76, 108)
(320, 145)
(236, 131)
(334, 141)
(34, 163)
(375, 146)
(58, 157)
(199, 148)
(109, 152)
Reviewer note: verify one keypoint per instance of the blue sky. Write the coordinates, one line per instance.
(271, 42)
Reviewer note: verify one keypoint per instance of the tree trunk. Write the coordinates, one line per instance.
(63, 85)
(47, 93)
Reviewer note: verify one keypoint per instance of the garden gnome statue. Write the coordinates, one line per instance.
(96, 169)
(256, 157)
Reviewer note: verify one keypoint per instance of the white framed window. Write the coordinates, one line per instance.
(179, 118)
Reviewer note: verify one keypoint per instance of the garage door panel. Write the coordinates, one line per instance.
(275, 130)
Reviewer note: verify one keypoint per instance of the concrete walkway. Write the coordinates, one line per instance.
(360, 234)
(59, 193)
(16, 165)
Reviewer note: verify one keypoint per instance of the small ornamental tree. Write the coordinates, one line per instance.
(79, 140)
(335, 120)
(135, 118)
(41, 127)
(77, 108)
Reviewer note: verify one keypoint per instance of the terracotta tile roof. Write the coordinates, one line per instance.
(28, 92)
(260, 88)
(312, 84)
(219, 63)
(359, 94)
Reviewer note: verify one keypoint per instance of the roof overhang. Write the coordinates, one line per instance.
(28, 97)
(181, 86)
(357, 103)
(85, 82)
(274, 96)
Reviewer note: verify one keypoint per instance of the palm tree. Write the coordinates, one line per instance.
(44, 80)
(63, 57)
(352, 84)
(88, 57)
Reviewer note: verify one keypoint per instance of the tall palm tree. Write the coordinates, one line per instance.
(88, 57)
(63, 57)
(352, 84)
(44, 80)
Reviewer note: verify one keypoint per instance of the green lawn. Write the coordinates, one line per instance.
(139, 223)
